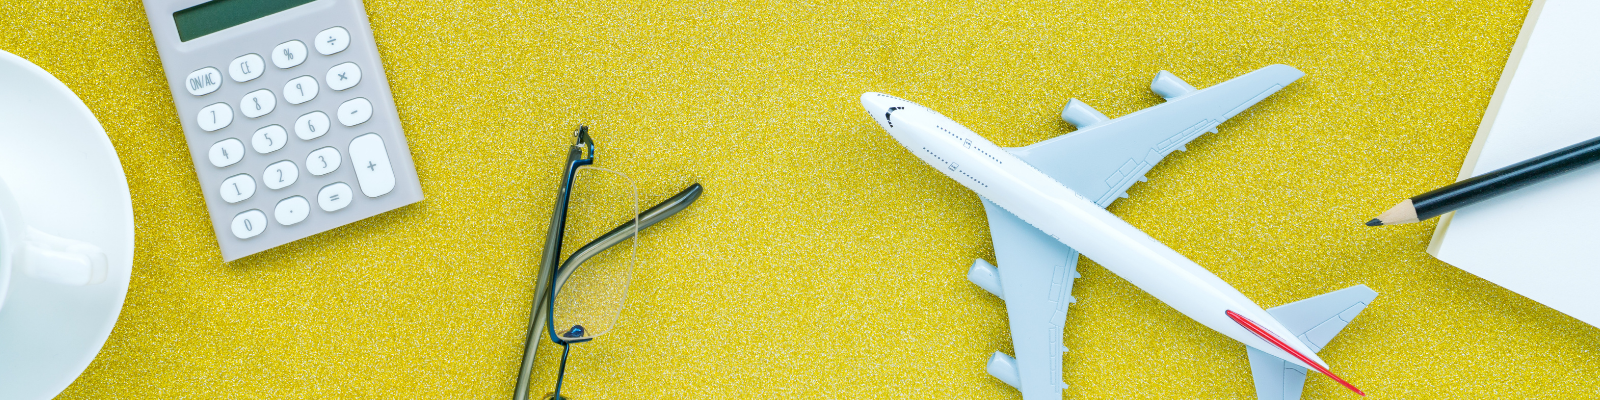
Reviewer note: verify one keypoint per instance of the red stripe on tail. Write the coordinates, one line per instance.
(1269, 337)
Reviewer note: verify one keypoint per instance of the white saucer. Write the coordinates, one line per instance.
(65, 174)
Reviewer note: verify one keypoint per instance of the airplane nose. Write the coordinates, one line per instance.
(875, 103)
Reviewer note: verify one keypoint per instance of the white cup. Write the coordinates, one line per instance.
(42, 255)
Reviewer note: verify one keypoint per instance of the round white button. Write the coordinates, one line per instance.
(332, 40)
(292, 210)
(248, 224)
(258, 103)
(214, 117)
(289, 54)
(343, 76)
(269, 139)
(333, 197)
(237, 188)
(246, 67)
(300, 90)
(227, 152)
(322, 161)
(280, 174)
(203, 81)
(355, 111)
(311, 126)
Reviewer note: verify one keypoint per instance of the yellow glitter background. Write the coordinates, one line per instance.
(824, 261)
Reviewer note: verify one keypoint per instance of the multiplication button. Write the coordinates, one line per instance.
(248, 224)
(343, 76)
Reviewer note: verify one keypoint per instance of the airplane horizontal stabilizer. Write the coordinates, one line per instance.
(1315, 321)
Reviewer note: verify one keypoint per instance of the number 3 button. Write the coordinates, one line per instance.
(322, 161)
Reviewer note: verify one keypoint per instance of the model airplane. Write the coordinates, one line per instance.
(1046, 202)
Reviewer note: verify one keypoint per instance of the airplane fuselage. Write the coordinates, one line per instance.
(1046, 204)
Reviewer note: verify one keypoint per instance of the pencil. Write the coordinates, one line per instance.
(1491, 184)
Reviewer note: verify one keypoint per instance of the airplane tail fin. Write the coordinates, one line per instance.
(1315, 321)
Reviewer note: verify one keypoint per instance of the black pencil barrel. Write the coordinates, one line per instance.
(1483, 187)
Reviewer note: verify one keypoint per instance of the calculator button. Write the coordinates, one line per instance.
(214, 117)
(333, 197)
(322, 161)
(289, 54)
(203, 81)
(292, 210)
(227, 152)
(371, 162)
(246, 67)
(343, 76)
(269, 139)
(300, 90)
(355, 111)
(248, 224)
(258, 103)
(333, 40)
(280, 175)
(311, 126)
(237, 188)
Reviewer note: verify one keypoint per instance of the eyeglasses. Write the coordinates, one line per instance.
(584, 297)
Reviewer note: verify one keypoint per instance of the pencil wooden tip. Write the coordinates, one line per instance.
(1403, 213)
(1375, 222)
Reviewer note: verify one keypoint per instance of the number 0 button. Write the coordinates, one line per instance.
(248, 224)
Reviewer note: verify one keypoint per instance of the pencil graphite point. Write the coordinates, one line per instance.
(1375, 222)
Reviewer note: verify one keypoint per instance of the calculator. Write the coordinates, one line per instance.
(287, 114)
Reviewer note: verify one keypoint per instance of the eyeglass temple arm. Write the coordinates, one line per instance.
(661, 211)
(552, 253)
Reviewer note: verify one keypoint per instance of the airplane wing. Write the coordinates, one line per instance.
(1316, 321)
(1099, 162)
(1037, 288)
(1104, 157)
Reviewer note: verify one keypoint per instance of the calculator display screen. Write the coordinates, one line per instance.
(213, 16)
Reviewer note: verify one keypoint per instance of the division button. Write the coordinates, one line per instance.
(214, 117)
(371, 162)
(343, 76)
(332, 40)
(226, 152)
(248, 224)
(246, 67)
(203, 81)
(300, 90)
(355, 111)
(289, 54)
(333, 197)
(292, 210)
(322, 161)
(237, 188)
(258, 103)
